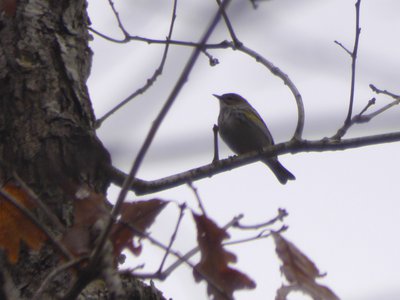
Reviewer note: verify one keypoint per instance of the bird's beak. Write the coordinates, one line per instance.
(217, 96)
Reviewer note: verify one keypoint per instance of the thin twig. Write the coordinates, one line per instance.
(282, 213)
(120, 25)
(381, 110)
(353, 55)
(287, 81)
(149, 81)
(163, 275)
(172, 239)
(385, 92)
(369, 104)
(359, 118)
(228, 23)
(150, 136)
(364, 118)
(37, 223)
(259, 236)
(212, 60)
(106, 37)
(354, 61)
(221, 45)
(196, 194)
(343, 47)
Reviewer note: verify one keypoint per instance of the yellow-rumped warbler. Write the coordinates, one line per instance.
(243, 130)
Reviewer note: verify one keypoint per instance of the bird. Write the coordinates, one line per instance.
(243, 130)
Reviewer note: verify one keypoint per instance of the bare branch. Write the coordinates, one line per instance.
(196, 194)
(106, 37)
(343, 47)
(181, 258)
(212, 60)
(369, 104)
(228, 23)
(277, 72)
(149, 81)
(221, 45)
(364, 118)
(385, 92)
(360, 118)
(142, 187)
(172, 239)
(261, 235)
(381, 110)
(116, 14)
(282, 213)
(353, 54)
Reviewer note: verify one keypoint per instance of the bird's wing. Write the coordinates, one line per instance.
(256, 121)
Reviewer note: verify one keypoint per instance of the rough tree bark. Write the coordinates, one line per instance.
(47, 135)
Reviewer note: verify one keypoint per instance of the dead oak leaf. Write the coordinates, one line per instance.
(213, 267)
(15, 227)
(300, 271)
(135, 218)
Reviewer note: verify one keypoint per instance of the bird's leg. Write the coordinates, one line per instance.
(216, 152)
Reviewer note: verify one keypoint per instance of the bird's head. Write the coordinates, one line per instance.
(231, 99)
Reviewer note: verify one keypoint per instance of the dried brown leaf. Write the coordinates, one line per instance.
(136, 217)
(15, 226)
(213, 267)
(300, 271)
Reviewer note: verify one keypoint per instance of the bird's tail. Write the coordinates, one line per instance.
(280, 171)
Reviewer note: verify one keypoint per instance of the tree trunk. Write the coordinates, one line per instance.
(47, 134)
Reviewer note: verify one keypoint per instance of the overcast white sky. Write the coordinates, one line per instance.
(344, 210)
